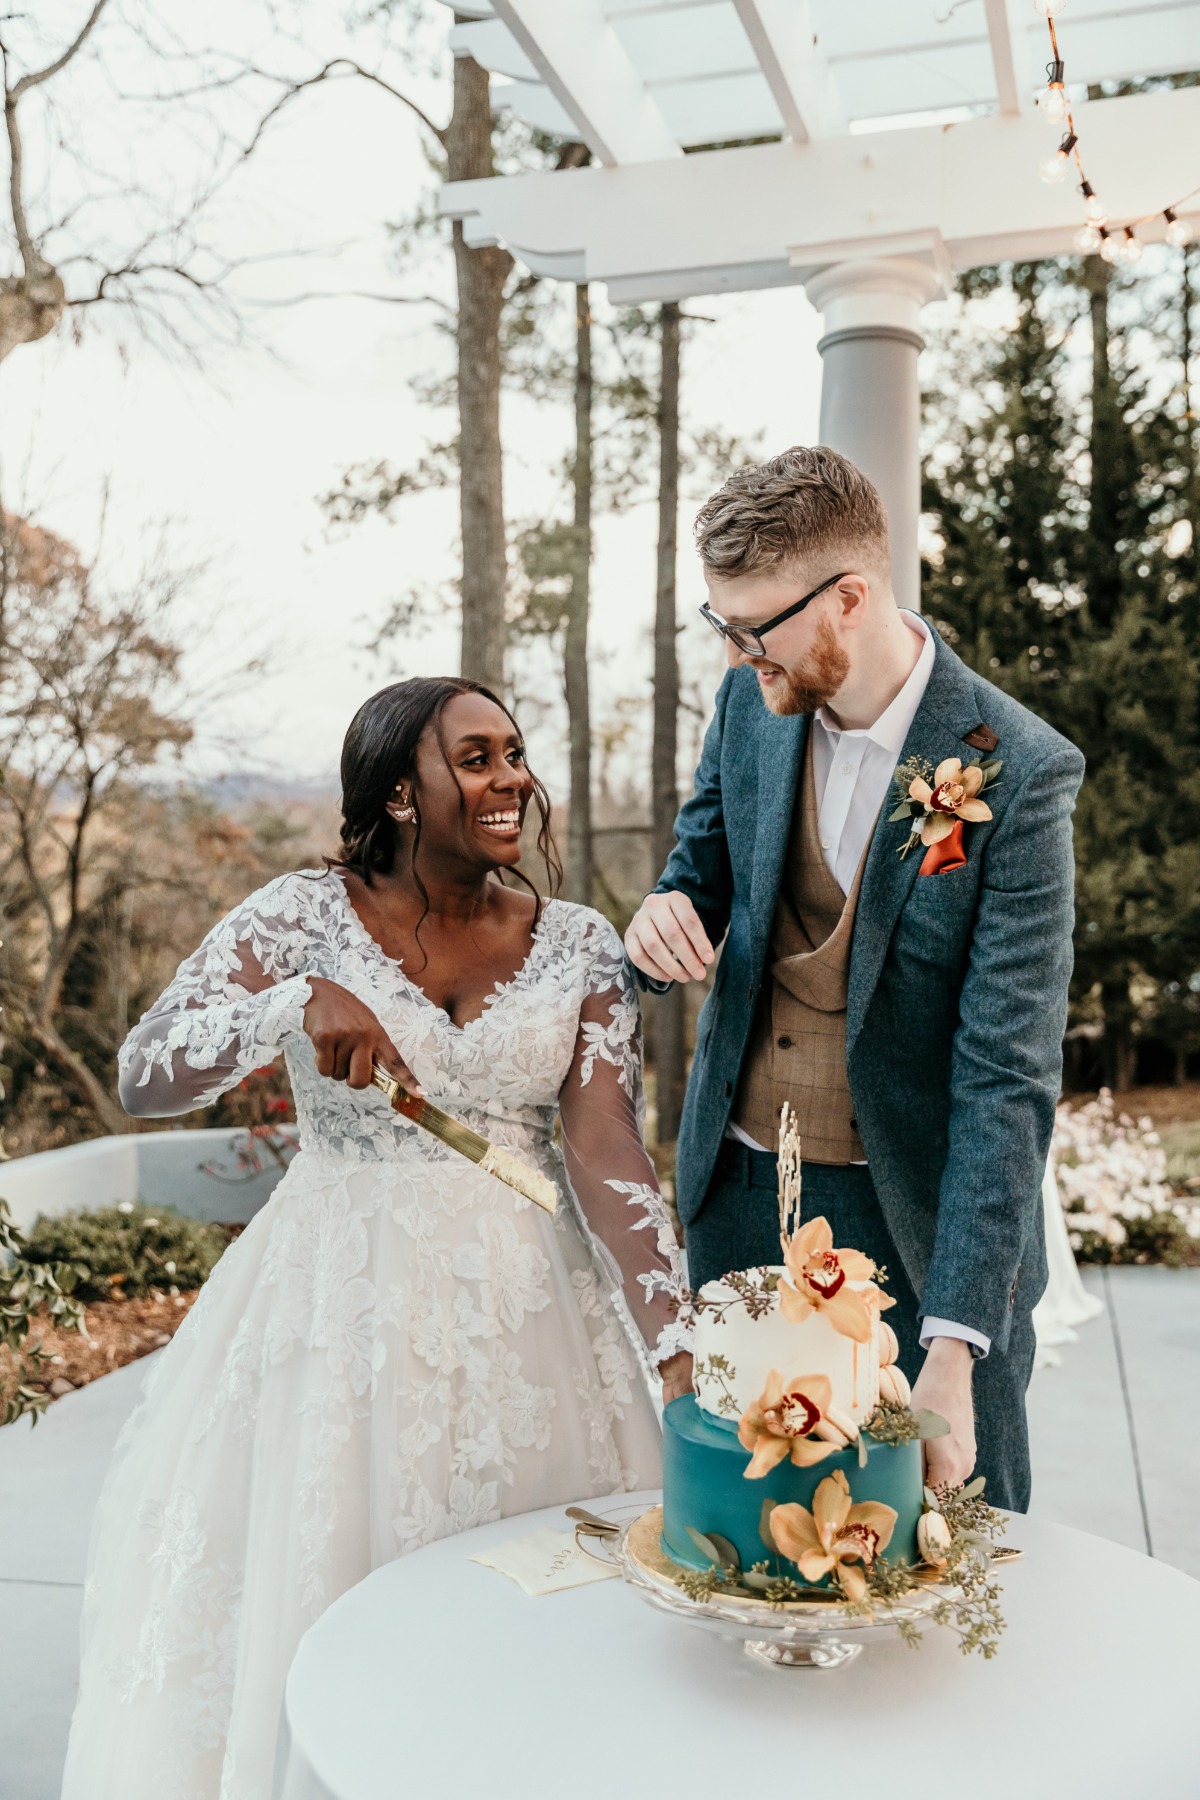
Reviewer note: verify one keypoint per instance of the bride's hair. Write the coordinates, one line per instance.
(380, 751)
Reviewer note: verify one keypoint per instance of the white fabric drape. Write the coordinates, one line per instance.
(1066, 1302)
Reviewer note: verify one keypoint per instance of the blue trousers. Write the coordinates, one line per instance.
(737, 1227)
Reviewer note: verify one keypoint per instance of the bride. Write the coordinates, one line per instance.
(397, 1347)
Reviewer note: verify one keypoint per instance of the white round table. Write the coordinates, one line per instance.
(439, 1679)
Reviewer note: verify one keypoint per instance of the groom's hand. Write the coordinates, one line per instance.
(666, 939)
(944, 1386)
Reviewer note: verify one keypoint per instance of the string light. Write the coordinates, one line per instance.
(1178, 231)
(1091, 204)
(1094, 235)
(1055, 167)
(1053, 97)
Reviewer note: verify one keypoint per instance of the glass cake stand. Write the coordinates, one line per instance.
(815, 1633)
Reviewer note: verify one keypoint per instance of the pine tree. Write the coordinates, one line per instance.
(1056, 479)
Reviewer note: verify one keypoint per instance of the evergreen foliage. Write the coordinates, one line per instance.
(1062, 485)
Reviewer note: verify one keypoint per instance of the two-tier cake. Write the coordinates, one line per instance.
(792, 1362)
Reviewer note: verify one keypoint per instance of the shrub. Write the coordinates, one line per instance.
(1112, 1176)
(30, 1289)
(128, 1249)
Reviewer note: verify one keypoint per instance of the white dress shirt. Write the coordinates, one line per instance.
(852, 772)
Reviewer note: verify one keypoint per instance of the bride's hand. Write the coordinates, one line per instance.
(676, 1375)
(348, 1038)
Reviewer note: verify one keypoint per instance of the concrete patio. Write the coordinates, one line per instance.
(1116, 1451)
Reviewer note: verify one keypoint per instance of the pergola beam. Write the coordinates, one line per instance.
(583, 63)
(783, 39)
(1009, 89)
(768, 214)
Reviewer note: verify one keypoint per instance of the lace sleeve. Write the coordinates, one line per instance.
(230, 1008)
(611, 1174)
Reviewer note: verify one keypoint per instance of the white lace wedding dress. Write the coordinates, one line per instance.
(397, 1347)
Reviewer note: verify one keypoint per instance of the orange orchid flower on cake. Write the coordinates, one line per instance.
(837, 1536)
(819, 1280)
(779, 1424)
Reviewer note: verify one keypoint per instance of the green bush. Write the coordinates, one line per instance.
(128, 1249)
(1160, 1238)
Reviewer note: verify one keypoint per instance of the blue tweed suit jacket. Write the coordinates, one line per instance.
(957, 986)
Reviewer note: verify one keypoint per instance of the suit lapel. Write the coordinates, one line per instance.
(780, 749)
(948, 709)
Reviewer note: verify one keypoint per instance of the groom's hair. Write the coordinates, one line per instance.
(809, 507)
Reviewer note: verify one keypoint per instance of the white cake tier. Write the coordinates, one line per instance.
(735, 1351)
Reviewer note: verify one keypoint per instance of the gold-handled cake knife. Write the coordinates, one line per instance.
(491, 1158)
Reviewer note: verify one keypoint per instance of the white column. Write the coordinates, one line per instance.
(870, 395)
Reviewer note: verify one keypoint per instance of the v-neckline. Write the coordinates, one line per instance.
(498, 990)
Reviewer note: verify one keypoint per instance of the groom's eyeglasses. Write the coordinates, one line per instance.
(749, 638)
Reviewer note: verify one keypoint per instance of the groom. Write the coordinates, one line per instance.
(911, 1008)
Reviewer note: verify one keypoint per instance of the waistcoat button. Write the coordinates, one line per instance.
(785, 1043)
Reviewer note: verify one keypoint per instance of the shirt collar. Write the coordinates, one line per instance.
(891, 728)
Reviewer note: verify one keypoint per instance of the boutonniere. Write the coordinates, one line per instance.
(937, 803)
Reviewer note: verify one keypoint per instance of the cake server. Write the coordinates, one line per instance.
(491, 1158)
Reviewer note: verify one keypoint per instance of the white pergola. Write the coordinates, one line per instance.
(899, 140)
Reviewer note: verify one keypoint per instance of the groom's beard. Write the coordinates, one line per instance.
(814, 682)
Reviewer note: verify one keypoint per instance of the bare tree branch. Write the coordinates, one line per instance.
(341, 68)
(35, 77)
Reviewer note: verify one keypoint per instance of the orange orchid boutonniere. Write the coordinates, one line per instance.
(793, 1419)
(836, 1537)
(938, 807)
(818, 1280)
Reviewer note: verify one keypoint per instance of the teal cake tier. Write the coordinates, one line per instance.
(704, 1485)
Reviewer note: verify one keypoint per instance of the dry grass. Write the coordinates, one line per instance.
(117, 1332)
(1162, 1105)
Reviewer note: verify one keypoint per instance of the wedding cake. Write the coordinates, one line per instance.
(796, 1385)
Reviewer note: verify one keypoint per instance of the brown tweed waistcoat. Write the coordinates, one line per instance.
(797, 1048)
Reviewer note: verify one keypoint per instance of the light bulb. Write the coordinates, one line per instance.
(1094, 210)
(1054, 169)
(1110, 250)
(1178, 232)
(1053, 103)
(1089, 238)
(1048, 9)
(1131, 249)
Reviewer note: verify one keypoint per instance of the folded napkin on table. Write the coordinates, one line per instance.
(544, 1562)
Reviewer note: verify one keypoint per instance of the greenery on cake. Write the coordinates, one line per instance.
(718, 1369)
(842, 1542)
(753, 1289)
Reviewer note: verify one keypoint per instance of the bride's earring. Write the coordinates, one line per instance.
(403, 811)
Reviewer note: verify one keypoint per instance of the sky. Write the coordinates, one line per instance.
(228, 459)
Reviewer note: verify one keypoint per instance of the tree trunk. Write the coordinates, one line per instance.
(670, 1010)
(575, 668)
(1101, 558)
(481, 276)
(107, 1110)
(1124, 1065)
(1191, 263)
(31, 307)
